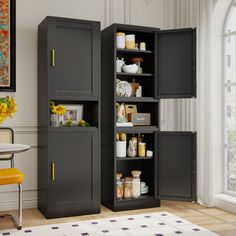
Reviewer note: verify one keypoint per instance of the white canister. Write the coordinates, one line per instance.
(120, 148)
(149, 153)
(130, 41)
(119, 64)
(120, 40)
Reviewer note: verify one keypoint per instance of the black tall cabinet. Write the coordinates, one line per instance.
(68, 157)
(169, 71)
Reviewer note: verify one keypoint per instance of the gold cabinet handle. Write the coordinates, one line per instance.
(53, 171)
(53, 57)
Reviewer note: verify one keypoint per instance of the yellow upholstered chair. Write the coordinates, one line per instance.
(11, 175)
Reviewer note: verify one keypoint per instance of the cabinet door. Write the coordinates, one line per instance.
(176, 165)
(176, 63)
(75, 58)
(74, 187)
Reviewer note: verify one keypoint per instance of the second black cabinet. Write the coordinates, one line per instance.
(167, 69)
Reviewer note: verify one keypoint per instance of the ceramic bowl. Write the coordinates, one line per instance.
(130, 68)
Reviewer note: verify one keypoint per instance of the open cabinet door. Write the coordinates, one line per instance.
(176, 63)
(176, 165)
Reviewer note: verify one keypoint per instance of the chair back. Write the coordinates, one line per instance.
(7, 136)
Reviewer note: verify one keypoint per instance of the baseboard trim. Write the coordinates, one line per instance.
(225, 202)
(13, 205)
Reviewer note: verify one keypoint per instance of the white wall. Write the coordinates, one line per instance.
(29, 14)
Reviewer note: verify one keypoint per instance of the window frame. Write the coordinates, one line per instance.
(225, 86)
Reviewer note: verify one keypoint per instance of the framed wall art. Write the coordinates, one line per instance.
(7, 45)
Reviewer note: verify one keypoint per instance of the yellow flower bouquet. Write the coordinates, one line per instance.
(56, 112)
(7, 108)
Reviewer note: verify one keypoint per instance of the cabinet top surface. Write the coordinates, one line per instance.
(68, 19)
(133, 27)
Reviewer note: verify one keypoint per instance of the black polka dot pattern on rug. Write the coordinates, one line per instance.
(161, 223)
(105, 231)
(144, 226)
(94, 223)
(75, 225)
(6, 233)
(125, 228)
(28, 231)
(196, 229)
(178, 232)
(55, 227)
(85, 234)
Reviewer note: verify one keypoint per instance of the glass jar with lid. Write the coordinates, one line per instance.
(128, 187)
(136, 184)
(119, 189)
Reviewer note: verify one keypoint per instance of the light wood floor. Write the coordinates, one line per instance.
(216, 220)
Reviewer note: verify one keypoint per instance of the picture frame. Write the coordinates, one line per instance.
(74, 112)
(8, 46)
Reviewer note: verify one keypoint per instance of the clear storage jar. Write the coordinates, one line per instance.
(128, 188)
(136, 184)
(130, 41)
(120, 40)
(119, 190)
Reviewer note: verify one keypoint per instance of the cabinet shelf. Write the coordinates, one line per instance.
(137, 129)
(135, 74)
(74, 99)
(141, 198)
(136, 99)
(74, 128)
(134, 51)
(133, 158)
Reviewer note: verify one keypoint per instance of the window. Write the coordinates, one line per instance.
(230, 102)
(229, 111)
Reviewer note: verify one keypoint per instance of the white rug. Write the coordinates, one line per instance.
(151, 224)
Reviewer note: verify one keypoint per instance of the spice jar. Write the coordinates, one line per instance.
(141, 149)
(136, 184)
(128, 187)
(119, 189)
(120, 40)
(130, 41)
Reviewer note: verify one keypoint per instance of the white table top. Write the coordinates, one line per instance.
(6, 148)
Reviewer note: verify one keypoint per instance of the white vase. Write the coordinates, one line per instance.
(54, 119)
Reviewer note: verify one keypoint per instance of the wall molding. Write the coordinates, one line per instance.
(13, 204)
(30, 199)
(23, 129)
